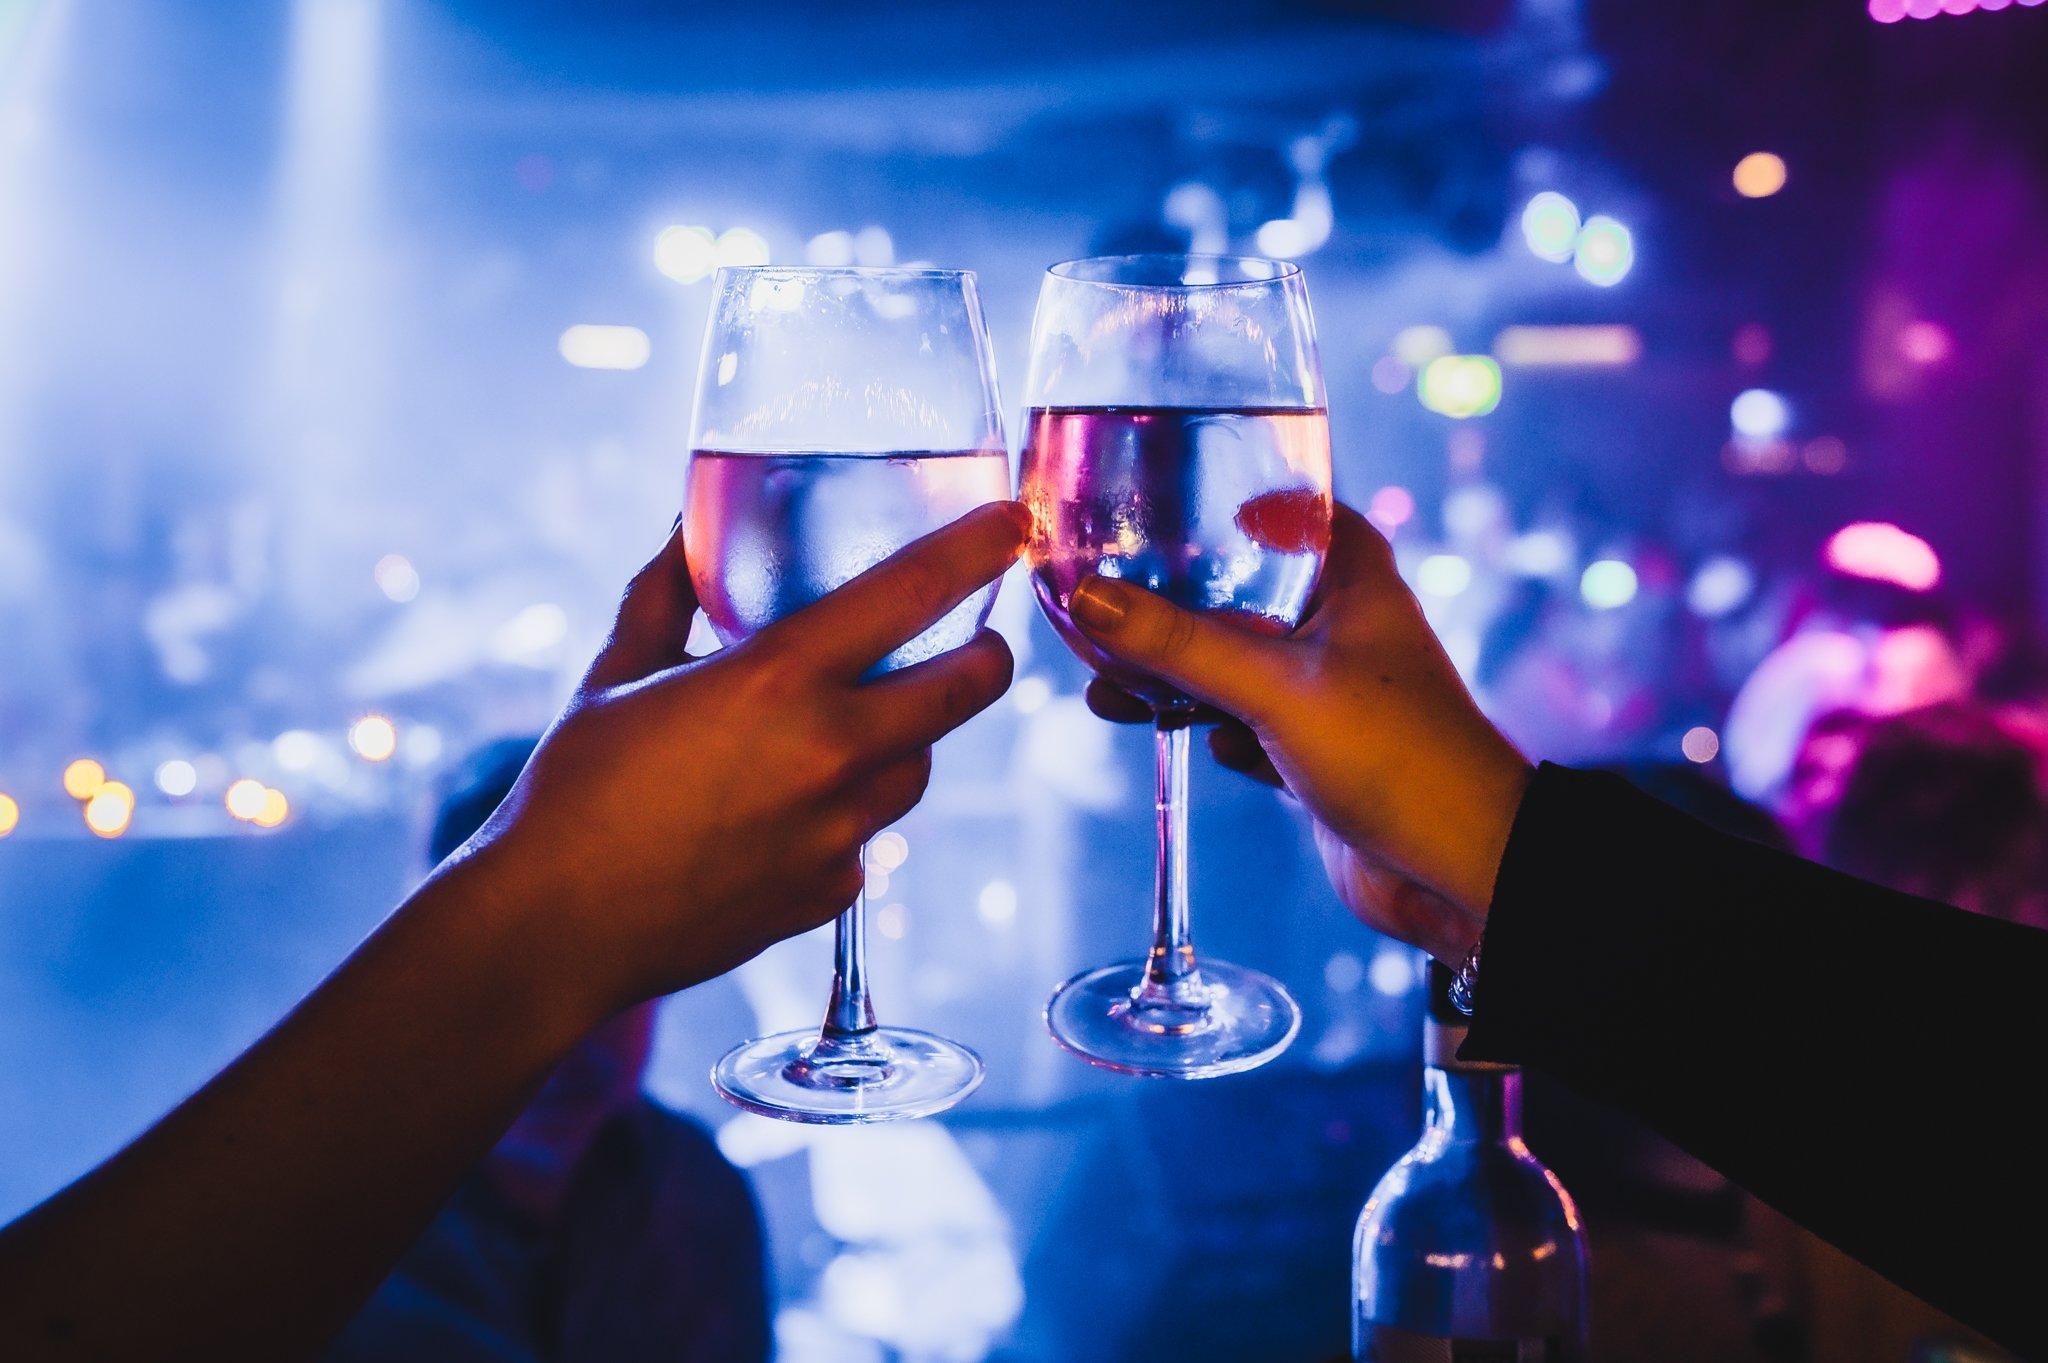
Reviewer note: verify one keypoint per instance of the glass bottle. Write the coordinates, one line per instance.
(1469, 1250)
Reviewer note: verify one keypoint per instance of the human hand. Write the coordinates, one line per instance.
(683, 814)
(1360, 715)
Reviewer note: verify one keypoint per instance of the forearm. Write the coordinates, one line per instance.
(1847, 1053)
(255, 1217)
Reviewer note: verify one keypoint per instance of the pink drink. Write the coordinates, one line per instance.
(768, 534)
(1221, 510)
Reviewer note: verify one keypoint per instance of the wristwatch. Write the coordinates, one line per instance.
(1466, 978)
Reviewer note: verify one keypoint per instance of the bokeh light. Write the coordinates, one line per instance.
(1391, 508)
(246, 798)
(1700, 744)
(590, 346)
(108, 812)
(1460, 386)
(1550, 226)
(1925, 342)
(1883, 552)
(396, 578)
(996, 905)
(83, 778)
(1605, 253)
(374, 738)
(888, 850)
(829, 250)
(1760, 414)
(1391, 374)
(1030, 694)
(744, 246)
(10, 815)
(1720, 585)
(1443, 575)
(1760, 175)
(274, 810)
(686, 254)
(298, 749)
(1607, 583)
(177, 777)
(1392, 972)
(1416, 346)
(1540, 553)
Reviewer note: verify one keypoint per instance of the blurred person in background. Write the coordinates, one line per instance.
(1946, 802)
(681, 815)
(1740, 1001)
(601, 1227)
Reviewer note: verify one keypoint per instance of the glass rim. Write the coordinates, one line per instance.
(1067, 271)
(849, 271)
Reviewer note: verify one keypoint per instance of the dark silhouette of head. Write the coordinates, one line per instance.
(479, 786)
(1946, 802)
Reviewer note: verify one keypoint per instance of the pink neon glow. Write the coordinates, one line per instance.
(1391, 507)
(1884, 553)
(1925, 342)
(1891, 11)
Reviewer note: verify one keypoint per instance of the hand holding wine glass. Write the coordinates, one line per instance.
(1360, 715)
(842, 413)
(1178, 441)
(782, 762)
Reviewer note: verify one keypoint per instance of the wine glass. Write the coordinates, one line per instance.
(840, 415)
(1177, 440)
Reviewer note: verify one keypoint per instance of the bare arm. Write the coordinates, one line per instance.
(680, 816)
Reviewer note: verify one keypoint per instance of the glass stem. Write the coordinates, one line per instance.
(850, 1013)
(1172, 979)
(849, 1030)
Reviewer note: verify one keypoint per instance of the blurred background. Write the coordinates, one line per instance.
(1691, 355)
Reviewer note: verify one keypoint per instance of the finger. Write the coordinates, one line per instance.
(895, 790)
(1360, 557)
(1235, 747)
(918, 706)
(1223, 664)
(652, 630)
(1111, 702)
(852, 628)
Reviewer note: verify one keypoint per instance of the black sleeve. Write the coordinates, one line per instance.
(1862, 1060)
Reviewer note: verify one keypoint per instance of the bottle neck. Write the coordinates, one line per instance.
(1467, 1101)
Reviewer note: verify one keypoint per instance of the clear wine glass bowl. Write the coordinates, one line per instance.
(840, 415)
(1176, 438)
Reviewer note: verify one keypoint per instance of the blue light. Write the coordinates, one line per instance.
(1605, 252)
(1760, 414)
(1607, 583)
(1550, 225)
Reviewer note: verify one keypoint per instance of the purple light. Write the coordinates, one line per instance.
(1391, 507)
(1884, 553)
(1891, 11)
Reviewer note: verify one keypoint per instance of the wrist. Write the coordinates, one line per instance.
(1494, 797)
(508, 926)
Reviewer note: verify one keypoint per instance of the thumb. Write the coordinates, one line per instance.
(653, 624)
(1207, 656)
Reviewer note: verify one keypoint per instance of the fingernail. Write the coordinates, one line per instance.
(1094, 606)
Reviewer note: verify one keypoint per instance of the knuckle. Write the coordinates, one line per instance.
(923, 586)
(1174, 636)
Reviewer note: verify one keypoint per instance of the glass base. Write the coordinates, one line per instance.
(890, 1074)
(1237, 1020)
